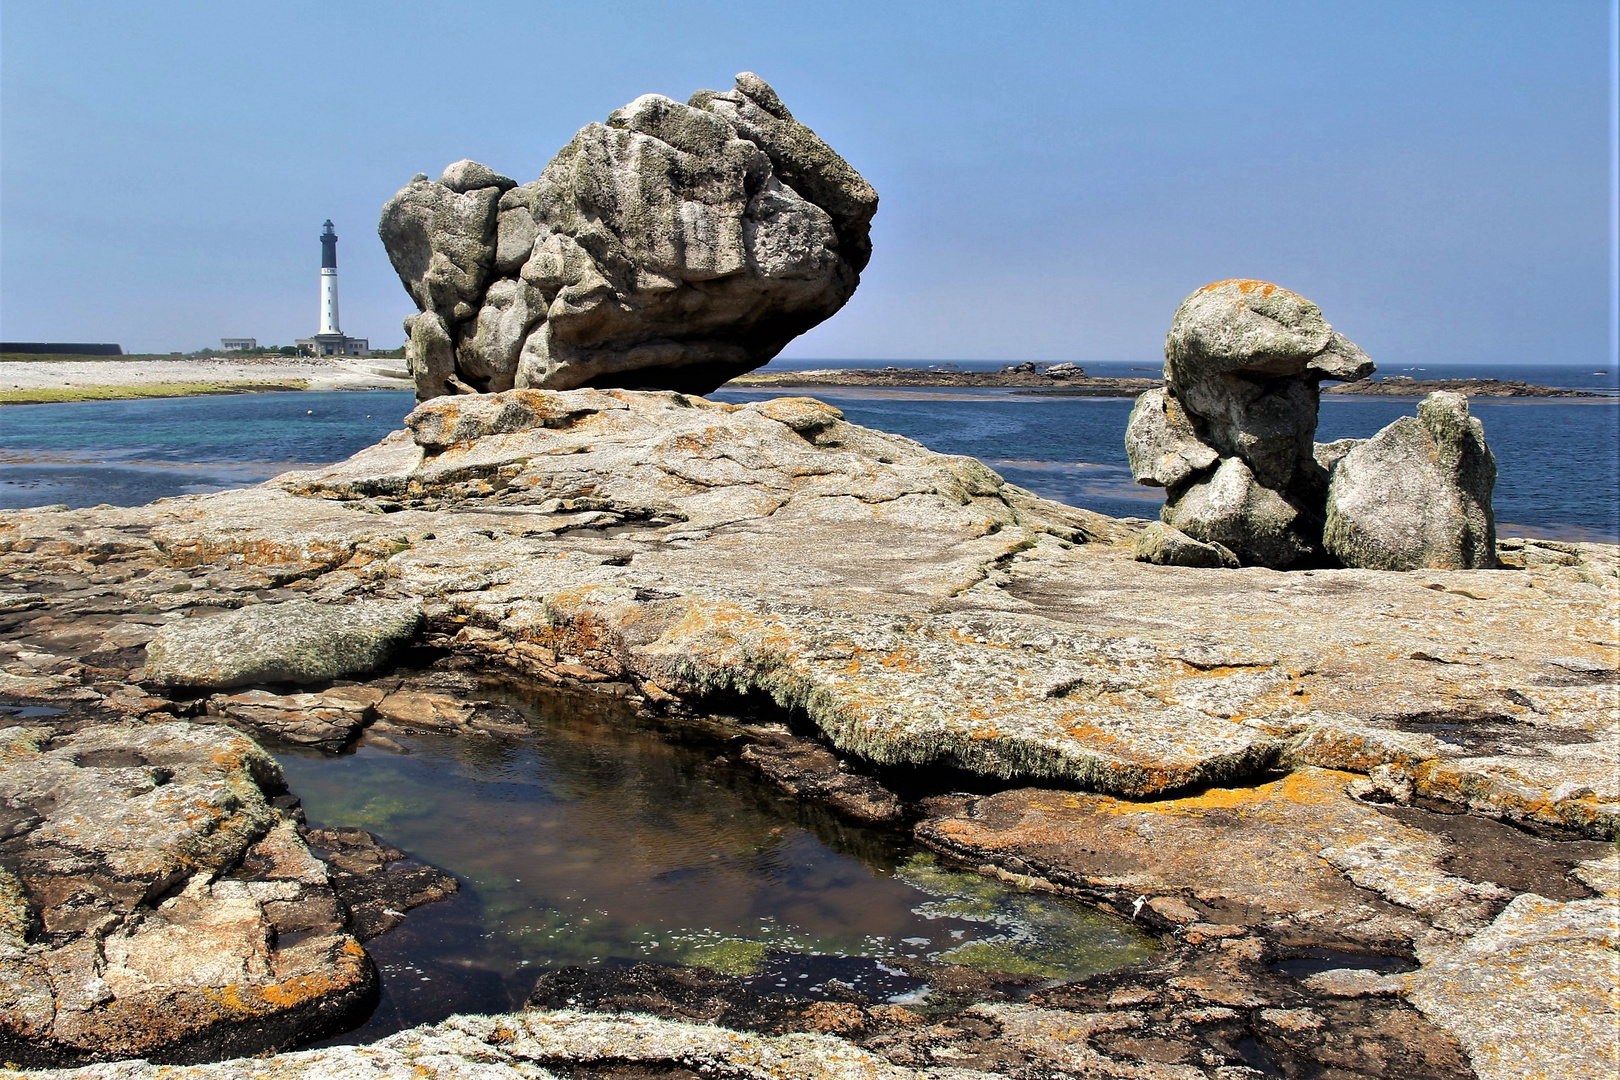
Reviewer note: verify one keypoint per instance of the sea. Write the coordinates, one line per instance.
(1558, 460)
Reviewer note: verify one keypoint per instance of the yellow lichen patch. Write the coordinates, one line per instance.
(347, 974)
(903, 660)
(1302, 787)
(1245, 286)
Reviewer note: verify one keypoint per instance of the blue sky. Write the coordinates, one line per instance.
(1054, 177)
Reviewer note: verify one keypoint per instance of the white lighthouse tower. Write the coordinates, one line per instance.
(330, 339)
(329, 308)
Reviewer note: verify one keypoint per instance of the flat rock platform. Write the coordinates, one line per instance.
(1291, 777)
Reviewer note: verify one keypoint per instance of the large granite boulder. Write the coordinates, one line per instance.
(1417, 495)
(1231, 435)
(672, 247)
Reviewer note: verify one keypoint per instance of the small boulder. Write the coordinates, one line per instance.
(1252, 521)
(295, 641)
(1163, 546)
(1417, 495)
(1163, 448)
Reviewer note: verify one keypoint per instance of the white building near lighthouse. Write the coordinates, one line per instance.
(330, 339)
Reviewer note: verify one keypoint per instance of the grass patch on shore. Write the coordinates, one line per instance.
(46, 395)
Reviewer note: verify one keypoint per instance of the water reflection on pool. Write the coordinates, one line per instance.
(598, 841)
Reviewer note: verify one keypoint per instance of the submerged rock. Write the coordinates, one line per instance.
(295, 641)
(672, 247)
(376, 882)
(1416, 495)
(805, 768)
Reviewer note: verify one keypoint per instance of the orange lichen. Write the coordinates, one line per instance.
(1245, 286)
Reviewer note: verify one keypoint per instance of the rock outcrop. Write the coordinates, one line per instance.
(1245, 752)
(1230, 436)
(154, 904)
(1417, 494)
(672, 247)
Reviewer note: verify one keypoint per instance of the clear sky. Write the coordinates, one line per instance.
(1055, 177)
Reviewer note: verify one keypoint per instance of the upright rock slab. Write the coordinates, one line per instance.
(673, 247)
(1417, 495)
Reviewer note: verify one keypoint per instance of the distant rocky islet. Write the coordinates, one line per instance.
(1262, 766)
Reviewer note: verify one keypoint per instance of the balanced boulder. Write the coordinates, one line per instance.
(1231, 435)
(673, 247)
(1417, 495)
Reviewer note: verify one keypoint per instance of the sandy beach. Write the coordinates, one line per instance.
(24, 382)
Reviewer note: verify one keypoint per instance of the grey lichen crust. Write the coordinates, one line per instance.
(144, 883)
(672, 247)
(917, 609)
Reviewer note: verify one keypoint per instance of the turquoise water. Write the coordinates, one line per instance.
(1559, 461)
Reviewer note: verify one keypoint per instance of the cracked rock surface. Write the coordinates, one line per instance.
(152, 902)
(1260, 757)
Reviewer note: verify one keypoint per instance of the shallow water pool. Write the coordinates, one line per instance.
(597, 840)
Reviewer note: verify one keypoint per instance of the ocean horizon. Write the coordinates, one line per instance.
(1558, 460)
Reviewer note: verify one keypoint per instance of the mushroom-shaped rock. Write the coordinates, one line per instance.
(672, 247)
(1245, 358)
(1417, 495)
(1232, 433)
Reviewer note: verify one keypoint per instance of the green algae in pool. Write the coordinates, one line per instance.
(596, 840)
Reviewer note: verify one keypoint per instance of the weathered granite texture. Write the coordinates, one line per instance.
(1417, 494)
(1230, 438)
(672, 247)
(1554, 966)
(915, 611)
